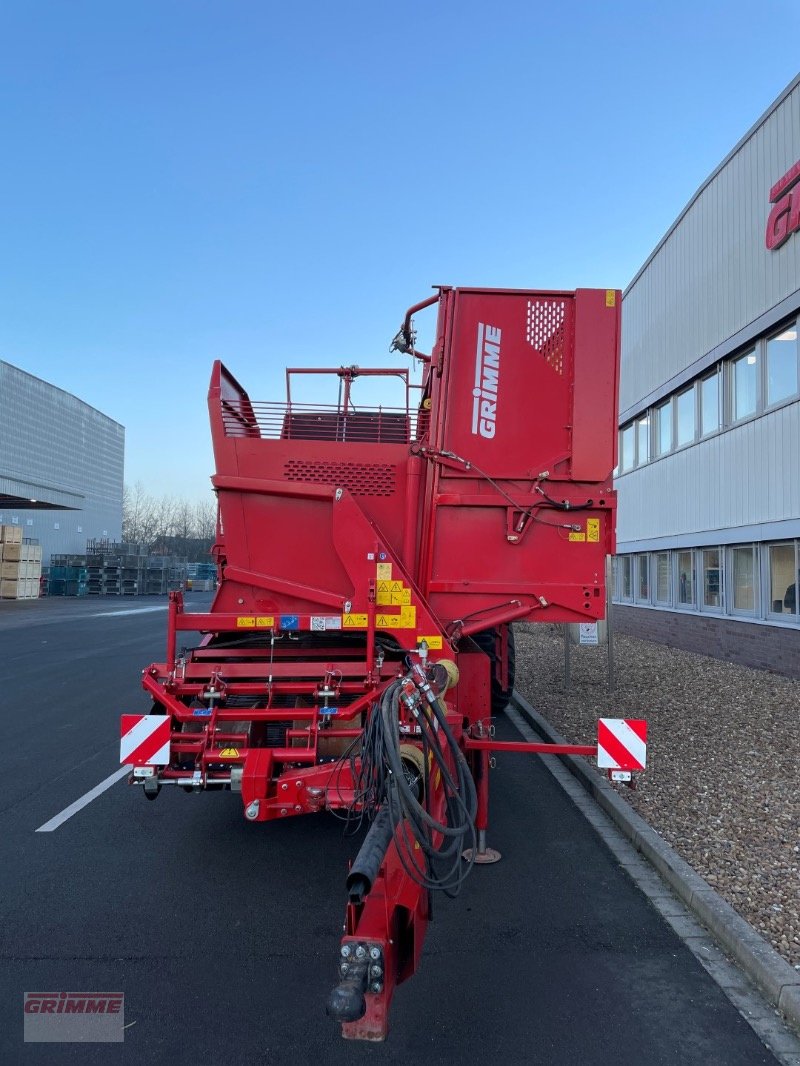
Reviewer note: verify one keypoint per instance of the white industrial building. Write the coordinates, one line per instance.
(708, 533)
(61, 465)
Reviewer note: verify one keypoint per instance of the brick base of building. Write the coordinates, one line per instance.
(762, 646)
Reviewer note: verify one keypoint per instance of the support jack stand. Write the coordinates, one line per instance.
(483, 856)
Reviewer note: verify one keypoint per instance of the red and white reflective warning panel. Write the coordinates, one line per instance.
(144, 739)
(621, 743)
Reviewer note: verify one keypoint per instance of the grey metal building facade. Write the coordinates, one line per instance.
(708, 526)
(61, 465)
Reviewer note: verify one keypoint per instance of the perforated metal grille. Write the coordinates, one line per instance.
(546, 331)
(362, 479)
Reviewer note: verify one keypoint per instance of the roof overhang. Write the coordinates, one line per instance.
(31, 495)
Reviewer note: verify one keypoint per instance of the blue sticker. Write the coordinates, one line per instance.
(382, 556)
(201, 712)
(329, 710)
(289, 621)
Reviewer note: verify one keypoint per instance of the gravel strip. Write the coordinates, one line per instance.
(723, 776)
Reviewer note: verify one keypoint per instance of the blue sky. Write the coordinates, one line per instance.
(274, 184)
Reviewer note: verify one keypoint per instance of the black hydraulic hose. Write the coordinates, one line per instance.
(365, 869)
(395, 763)
(406, 810)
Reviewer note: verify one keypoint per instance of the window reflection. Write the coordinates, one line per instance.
(743, 578)
(709, 404)
(745, 371)
(782, 365)
(685, 577)
(782, 579)
(685, 417)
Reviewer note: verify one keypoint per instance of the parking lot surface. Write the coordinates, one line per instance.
(223, 935)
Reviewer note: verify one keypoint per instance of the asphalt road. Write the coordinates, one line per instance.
(224, 935)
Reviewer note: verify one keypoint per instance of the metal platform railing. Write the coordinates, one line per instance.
(281, 421)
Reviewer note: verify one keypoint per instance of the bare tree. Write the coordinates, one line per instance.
(138, 515)
(168, 525)
(205, 519)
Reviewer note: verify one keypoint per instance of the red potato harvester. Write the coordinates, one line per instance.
(371, 562)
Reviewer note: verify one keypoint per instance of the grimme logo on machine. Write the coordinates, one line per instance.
(74, 1017)
(784, 218)
(487, 380)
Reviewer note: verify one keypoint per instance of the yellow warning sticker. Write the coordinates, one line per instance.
(406, 619)
(577, 536)
(384, 572)
(354, 621)
(392, 594)
(611, 298)
(593, 530)
(245, 622)
(265, 621)
(229, 753)
(434, 642)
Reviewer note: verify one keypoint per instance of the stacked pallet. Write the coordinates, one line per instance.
(67, 576)
(165, 573)
(115, 569)
(202, 577)
(20, 565)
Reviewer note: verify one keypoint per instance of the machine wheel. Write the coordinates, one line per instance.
(487, 642)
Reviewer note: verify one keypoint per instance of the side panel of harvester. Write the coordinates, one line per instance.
(299, 494)
(520, 504)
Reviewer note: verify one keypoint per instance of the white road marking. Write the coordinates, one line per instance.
(79, 804)
(131, 610)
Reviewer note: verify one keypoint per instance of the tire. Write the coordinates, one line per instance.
(487, 642)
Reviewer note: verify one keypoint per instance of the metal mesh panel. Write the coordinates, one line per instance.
(546, 330)
(362, 479)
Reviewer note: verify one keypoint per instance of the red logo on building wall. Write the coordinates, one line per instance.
(784, 218)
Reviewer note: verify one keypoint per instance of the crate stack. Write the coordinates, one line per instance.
(115, 568)
(202, 577)
(67, 576)
(165, 573)
(110, 568)
(20, 565)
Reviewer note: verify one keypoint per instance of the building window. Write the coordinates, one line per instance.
(712, 579)
(643, 578)
(684, 579)
(663, 437)
(642, 440)
(684, 417)
(782, 365)
(743, 580)
(782, 579)
(744, 385)
(709, 404)
(628, 448)
(662, 589)
(625, 578)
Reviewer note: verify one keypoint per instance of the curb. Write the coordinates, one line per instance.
(768, 970)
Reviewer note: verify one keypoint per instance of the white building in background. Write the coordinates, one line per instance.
(708, 533)
(61, 465)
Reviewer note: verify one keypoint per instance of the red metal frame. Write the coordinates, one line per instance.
(352, 542)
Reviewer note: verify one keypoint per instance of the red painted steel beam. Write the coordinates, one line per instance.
(525, 748)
